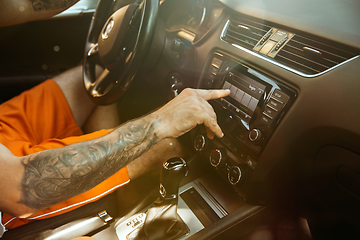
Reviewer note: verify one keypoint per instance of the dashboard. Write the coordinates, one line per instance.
(291, 117)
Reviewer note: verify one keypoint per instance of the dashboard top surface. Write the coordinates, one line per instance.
(334, 19)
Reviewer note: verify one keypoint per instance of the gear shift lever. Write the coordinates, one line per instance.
(162, 221)
(172, 173)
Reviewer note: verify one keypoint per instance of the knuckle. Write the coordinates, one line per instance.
(212, 93)
(188, 91)
(213, 122)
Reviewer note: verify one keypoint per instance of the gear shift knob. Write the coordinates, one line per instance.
(162, 221)
(172, 173)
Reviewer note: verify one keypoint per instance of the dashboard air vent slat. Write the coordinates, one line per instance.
(312, 55)
(245, 32)
(289, 59)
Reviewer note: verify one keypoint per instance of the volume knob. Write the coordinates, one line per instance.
(255, 135)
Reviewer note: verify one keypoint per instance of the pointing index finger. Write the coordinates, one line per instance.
(212, 94)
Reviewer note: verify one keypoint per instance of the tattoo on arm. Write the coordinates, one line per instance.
(41, 5)
(55, 175)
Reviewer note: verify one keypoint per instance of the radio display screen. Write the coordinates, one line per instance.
(245, 94)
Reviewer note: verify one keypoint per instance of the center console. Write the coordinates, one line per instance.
(248, 116)
(206, 204)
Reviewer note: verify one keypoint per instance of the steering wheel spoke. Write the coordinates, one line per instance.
(99, 86)
(93, 51)
(92, 55)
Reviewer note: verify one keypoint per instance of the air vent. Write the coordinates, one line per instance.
(313, 55)
(304, 54)
(245, 32)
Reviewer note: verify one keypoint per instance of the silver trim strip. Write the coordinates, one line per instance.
(244, 27)
(223, 33)
(202, 17)
(312, 50)
(267, 116)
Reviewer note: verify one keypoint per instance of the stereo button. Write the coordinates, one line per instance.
(216, 62)
(227, 85)
(232, 107)
(277, 105)
(253, 103)
(279, 95)
(214, 70)
(246, 99)
(270, 111)
(240, 114)
(233, 91)
(239, 95)
(267, 120)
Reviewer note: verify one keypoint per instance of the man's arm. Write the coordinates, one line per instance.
(53, 176)
(20, 11)
(34, 182)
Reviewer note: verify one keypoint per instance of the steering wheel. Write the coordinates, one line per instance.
(119, 39)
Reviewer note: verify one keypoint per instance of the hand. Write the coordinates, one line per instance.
(187, 110)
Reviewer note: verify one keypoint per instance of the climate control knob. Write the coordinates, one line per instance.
(216, 157)
(236, 175)
(254, 135)
(199, 143)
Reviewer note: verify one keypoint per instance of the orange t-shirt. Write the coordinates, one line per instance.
(40, 119)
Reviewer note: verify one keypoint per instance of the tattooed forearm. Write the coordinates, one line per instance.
(55, 175)
(40, 5)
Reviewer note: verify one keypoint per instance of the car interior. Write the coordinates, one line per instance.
(288, 166)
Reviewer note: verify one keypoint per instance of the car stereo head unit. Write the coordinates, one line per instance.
(245, 94)
(256, 103)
